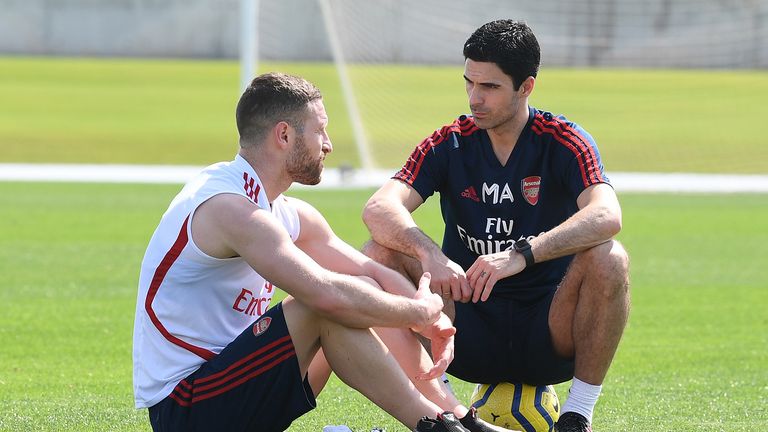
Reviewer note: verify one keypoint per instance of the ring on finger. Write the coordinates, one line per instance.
(482, 274)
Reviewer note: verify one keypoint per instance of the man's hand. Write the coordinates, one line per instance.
(440, 333)
(489, 269)
(448, 278)
(433, 302)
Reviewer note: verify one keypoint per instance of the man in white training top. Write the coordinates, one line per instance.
(208, 353)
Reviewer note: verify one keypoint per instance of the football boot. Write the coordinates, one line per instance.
(572, 422)
(472, 423)
(445, 422)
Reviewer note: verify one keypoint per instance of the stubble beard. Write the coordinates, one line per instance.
(500, 119)
(302, 166)
(492, 123)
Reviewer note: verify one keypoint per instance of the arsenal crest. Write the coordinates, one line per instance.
(260, 326)
(530, 186)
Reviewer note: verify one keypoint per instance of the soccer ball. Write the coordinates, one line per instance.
(517, 406)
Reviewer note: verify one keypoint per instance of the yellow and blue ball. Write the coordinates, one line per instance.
(517, 406)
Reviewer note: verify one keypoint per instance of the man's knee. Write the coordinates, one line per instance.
(616, 258)
(377, 252)
(608, 264)
(298, 315)
(395, 260)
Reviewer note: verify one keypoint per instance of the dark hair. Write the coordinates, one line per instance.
(271, 98)
(508, 43)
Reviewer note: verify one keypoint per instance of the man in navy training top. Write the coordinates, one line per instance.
(529, 270)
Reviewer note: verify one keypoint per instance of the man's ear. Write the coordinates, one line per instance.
(282, 133)
(526, 88)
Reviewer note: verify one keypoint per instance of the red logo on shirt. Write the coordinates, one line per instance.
(252, 304)
(530, 186)
(470, 193)
(260, 326)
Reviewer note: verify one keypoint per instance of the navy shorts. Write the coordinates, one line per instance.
(506, 340)
(253, 384)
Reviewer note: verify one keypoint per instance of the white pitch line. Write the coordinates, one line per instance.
(356, 179)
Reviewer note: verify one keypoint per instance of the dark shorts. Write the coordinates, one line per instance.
(253, 384)
(506, 340)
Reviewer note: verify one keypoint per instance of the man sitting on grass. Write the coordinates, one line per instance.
(209, 355)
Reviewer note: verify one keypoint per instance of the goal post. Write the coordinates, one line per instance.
(358, 131)
(249, 41)
(248, 45)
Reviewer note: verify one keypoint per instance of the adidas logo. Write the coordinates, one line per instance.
(471, 194)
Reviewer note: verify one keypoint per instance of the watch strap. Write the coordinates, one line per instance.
(524, 248)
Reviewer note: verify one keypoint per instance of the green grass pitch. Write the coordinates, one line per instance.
(182, 112)
(695, 353)
(693, 357)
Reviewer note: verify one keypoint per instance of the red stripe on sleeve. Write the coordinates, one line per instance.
(412, 166)
(582, 143)
(539, 129)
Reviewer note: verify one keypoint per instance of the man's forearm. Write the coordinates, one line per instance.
(393, 227)
(588, 227)
(390, 280)
(358, 304)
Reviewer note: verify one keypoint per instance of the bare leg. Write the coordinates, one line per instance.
(404, 344)
(352, 354)
(590, 310)
(319, 372)
(413, 359)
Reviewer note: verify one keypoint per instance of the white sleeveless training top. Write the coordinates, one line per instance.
(191, 305)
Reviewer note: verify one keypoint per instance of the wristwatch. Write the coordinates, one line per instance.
(524, 248)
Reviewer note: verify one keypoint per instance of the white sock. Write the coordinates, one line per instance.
(582, 398)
